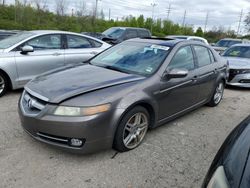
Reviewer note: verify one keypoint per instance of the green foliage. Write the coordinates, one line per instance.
(247, 22)
(199, 32)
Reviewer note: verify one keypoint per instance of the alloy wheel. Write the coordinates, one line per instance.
(135, 130)
(2, 84)
(218, 93)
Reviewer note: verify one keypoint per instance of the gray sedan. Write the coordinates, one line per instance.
(238, 57)
(30, 53)
(121, 93)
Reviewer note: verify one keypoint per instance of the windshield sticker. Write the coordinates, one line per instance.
(166, 48)
(149, 69)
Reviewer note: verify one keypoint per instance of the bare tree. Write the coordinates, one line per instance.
(247, 22)
(81, 9)
(61, 7)
(40, 4)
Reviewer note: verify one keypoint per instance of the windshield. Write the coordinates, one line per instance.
(114, 33)
(14, 39)
(136, 58)
(227, 43)
(238, 51)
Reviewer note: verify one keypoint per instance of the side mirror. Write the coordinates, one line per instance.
(176, 73)
(212, 44)
(26, 49)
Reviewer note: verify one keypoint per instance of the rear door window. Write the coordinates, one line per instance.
(131, 33)
(202, 55)
(143, 33)
(183, 59)
(78, 42)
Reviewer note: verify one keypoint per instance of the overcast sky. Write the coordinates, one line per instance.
(220, 12)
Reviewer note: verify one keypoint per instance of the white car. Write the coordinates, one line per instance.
(184, 37)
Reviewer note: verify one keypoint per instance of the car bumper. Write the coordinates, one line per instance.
(96, 132)
(240, 80)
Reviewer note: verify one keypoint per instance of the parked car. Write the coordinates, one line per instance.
(238, 57)
(115, 35)
(5, 33)
(225, 43)
(121, 93)
(184, 37)
(28, 54)
(94, 34)
(231, 165)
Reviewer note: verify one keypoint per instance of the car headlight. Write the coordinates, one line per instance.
(81, 111)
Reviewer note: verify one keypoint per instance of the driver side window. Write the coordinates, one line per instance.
(183, 59)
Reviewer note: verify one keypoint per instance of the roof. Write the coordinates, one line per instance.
(232, 39)
(38, 32)
(131, 28)
(243, 44)
(158, 41)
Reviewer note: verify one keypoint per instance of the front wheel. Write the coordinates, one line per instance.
(132, 129)
(3, 84)
(218, 94)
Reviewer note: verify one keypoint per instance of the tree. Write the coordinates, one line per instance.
(247, 22)
(61, 7)
(199, 32)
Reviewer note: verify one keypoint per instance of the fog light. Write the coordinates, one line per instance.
(76, 142)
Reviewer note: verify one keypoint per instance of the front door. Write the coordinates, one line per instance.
(48, 55)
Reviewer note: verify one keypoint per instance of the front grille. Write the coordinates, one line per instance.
(245, 81)
(32, 105)
(234, 72)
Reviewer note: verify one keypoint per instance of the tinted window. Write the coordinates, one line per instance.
(227, 43)
(238, 51)
(143, 33)
(202, 55)
(137, 58)
(183, 59)
(45, 42)
(131, 34)
(95, 43)
(76, 42)
(114, 33)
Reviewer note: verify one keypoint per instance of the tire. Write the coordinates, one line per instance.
(217, 95)
(3, 84)
(132, 129)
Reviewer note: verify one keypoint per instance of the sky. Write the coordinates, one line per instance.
(224, 13)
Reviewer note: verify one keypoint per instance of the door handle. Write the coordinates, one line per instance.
(195, 78)
(56, 54)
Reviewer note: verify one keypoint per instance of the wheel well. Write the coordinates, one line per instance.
(8, 78)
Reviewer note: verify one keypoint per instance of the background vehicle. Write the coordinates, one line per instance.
(30, 53)
(231, 165)
(133, 86)
(238, 57)
(223, 44)
(115, 35)
(95, 35)
(184, 37)
(5, 33)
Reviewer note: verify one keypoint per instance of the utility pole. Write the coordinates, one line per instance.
(109, 14)
(153, 10)
(241, 15)
(15, 10)
(3, 2)
(206, 21)
(184, 18)
(169, 10)
(96, 6)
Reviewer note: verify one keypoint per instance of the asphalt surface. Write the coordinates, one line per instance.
(175, 155)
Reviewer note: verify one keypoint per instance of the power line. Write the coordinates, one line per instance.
(238, 29)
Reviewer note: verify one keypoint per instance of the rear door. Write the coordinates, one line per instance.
(80, 49)
(130, 33)
(179, 94)
(48, 54)
(207, 73)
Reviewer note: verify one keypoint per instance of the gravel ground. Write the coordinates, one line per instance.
(175, 155)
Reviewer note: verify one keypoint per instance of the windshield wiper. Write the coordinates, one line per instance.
(115, 69)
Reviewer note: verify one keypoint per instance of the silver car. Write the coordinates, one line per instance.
(25, 55)
(238, 57)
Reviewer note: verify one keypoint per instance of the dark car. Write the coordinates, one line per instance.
(115, 35)
(231, 165)
(94, 34)
(115, 98)
(4, 34)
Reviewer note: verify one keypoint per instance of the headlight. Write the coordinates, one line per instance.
(81, 111)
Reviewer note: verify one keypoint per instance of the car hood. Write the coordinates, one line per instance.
(238, 63)
(60, 85)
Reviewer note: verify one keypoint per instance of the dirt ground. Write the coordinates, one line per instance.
(175, 155)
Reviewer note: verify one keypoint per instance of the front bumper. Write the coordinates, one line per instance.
(96, 131)
(240, 80)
